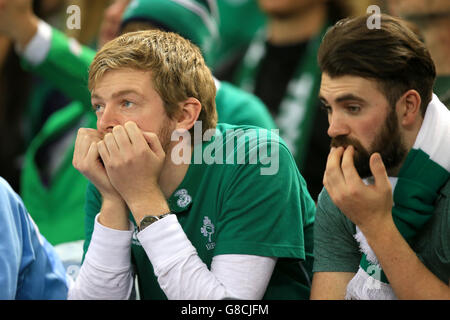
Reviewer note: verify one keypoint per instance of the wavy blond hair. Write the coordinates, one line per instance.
(177, 68)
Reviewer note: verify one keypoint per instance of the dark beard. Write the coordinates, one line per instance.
(388, 143)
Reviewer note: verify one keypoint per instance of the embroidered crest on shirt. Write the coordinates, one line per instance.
(207, 231)
(184, 199)
(134, 239)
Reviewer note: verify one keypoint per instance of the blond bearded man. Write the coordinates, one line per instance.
(208, 229)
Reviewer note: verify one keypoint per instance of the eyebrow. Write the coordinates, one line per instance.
(117, 94)
(345, 97)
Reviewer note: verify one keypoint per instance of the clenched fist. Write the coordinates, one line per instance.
(133, 160)
(86, 159)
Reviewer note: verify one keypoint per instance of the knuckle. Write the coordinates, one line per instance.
(128, 161)
(152, 135)
(387, 189)
(110, 165)
(86, 131)
(353, 192)
(117, 128)
(141, 152)
(130, 123)
(79, 166)
(337, 199)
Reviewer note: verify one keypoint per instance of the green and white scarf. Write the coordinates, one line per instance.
(298, 106)
(424, 173)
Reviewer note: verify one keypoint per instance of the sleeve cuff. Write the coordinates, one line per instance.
(110, 247)
(38, 48)
(164, 241)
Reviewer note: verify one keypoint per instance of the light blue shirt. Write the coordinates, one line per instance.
(29, 266)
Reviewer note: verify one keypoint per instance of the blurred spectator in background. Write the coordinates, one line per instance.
(26, 100)
(14, 89)
(52, 189)
(194, 20)
(19, 119)
(280, 67)
(45, 98)
(110, 24)
(433, 20)
(46, 122)
(238, 21)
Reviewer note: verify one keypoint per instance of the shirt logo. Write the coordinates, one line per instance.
(208, 230)
(134, 239)
(184, 199)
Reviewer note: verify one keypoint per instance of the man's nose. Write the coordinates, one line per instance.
(108, 119)
(337, 126)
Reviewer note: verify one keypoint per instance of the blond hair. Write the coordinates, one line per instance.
(177, 68)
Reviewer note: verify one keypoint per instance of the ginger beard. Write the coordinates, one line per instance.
(388, 143)
(165, 134)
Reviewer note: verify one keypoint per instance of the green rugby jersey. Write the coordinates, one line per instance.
(232, 208)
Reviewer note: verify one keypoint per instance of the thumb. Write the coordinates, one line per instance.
(379, 170)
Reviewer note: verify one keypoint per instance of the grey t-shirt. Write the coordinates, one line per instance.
(336, 250)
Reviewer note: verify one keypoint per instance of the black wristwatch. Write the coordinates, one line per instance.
(148, 220)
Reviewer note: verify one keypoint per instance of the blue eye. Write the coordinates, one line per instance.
(97, 107)
(127, 103)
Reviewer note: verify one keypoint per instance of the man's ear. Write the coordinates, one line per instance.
(408, 108)
(189, 113)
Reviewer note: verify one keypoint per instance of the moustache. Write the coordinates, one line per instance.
(344, 141)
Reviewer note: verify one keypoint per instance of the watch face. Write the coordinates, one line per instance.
(148, 220)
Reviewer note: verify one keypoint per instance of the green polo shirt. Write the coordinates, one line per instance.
(234, 209)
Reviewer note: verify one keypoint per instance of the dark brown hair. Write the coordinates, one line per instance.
(392, 55)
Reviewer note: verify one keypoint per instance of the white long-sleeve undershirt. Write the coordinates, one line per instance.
(107, 273)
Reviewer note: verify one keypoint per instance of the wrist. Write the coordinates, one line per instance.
(113, 200)
(379, 229)
(114, 214)
(153, 203)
